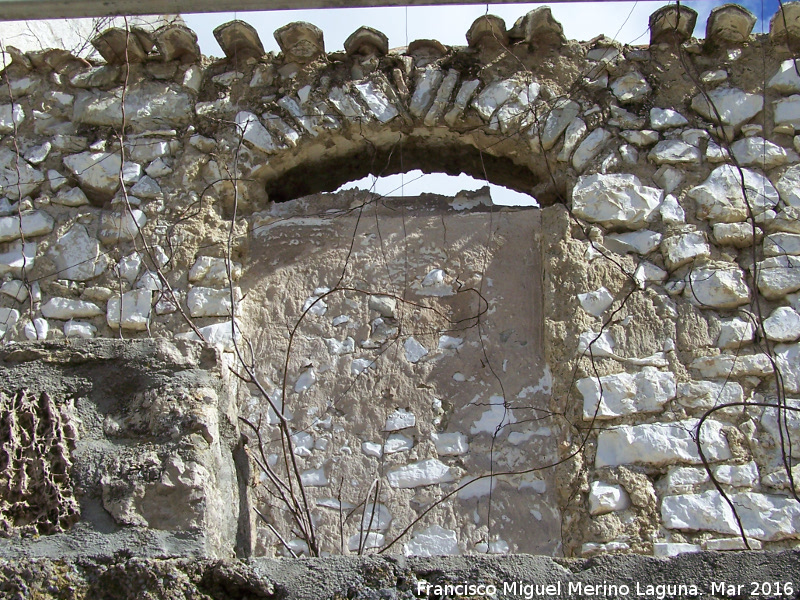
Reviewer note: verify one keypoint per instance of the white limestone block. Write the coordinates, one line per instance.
(606, 497)
(681, 249)
(397, 442)
(660, 444)
(414, 351)
(306, 380)
(674, 152)
(735, 333)
(669, 549)
(613, 396)
(704, 395)
(418, 474)
(615, 200)
(97, 172)
(210, 302)
(384, 305)
(680, 480)
(400, 419)
(20, 257)
(372, 449)
(786, 79)
(79, 329)
(783, 325)
(734, 106)
(8, 318)
(789, 186)
(778, 244)
(218, 334)
(597, 302)
(314, 478)
(761, 153)
(558, 119)
(720, 199)
(131, 311)
(778, 276)
(589, 148)
(786, 112)
(433, 541)
(787, 357)
(666, 118)
(738, 235)
(450, 444)
(492, 420)
(16, 289)
(648, 273)
(630, 88)
(643, 138)
(764, 517)
(212, 271)
(745, 475)
(428, 82)
(32, 224)
(78, 256)
(253, 133)
(67, 308)
(572, 136)
(11, 115)
(36, 329)
(717, 285)
(377, 101)
(732, 365)
(121, 227)
(643, 241)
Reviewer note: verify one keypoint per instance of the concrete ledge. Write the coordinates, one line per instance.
(732, 575)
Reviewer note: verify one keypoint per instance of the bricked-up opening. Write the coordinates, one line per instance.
(450, 156)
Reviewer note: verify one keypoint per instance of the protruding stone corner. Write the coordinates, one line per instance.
(120, 46)
(239, 40)
(300, 42)
(729, 24)
(425, 52)
(538, 29)
(177, 42)
(672, 24)
(784, 27)
(486, 31)
(366, 41)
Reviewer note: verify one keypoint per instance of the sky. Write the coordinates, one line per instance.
(624, 21)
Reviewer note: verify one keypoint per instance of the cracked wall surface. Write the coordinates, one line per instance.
(481, 379)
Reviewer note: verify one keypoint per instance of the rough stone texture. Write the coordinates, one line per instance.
(143, 429)
(368, 577)
(468, 322)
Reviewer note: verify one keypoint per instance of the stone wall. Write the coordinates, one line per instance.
(428, 375)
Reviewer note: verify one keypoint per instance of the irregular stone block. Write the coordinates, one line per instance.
(631, 88)
(17, 178)
(623, 394)
(729, 24)
(367, 41)
(672, 24)
(97, 173)
(605, 498)
(615, 200)
(787, 358)
(119, 46)
(433, 541)
(77, 256)
(735, 332)
(239, 40)
(728, 106)
(67, 308)
(589, 148)
(116, 227)
(784, 27)
(717, 285)
(720, 198)
(177, 42)
(428, 82)
(674, 152)
(660, 444)
(131, 311)
(731, 365)
(679, 250)
(758, 152)
(666, 118)
(211, 271)
(11, 116)
(763, 517)
(377, 101)
(30, 224)
(254, 133)
(783, 325)
(18, 259)
(786, 112)
(487, 30)
(703, 395)
(209, 302)
(419, 474)
(778, 276)
(300, 42)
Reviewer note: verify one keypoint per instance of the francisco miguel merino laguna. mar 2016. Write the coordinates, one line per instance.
(559, 589)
